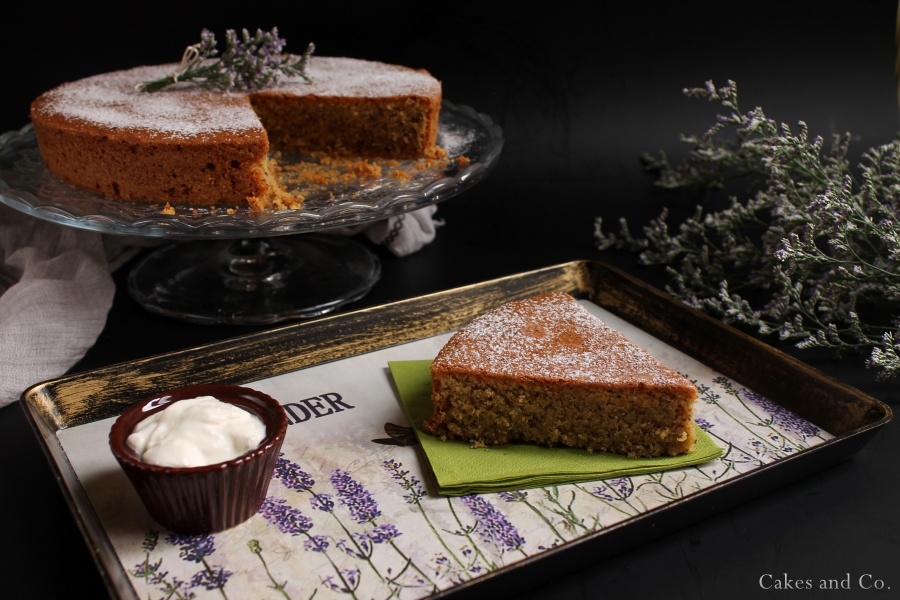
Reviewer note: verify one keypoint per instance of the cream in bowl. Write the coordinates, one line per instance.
(195, 432)
(200, 457)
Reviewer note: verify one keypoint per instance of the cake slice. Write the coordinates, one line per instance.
(544, 370)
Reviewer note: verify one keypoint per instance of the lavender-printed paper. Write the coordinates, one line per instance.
(346, 517)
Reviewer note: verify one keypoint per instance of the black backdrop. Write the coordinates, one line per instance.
(580, 94)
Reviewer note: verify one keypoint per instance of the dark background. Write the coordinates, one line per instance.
(580, 95)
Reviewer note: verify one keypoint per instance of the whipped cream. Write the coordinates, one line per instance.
(196, 432)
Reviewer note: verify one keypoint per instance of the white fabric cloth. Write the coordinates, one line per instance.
(56, 291)
(401, 234)
(56, 288)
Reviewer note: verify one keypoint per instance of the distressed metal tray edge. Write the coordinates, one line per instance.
(849, 414)
(101, 393)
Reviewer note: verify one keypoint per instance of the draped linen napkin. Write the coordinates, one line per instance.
(56, 287)
(459, 469)
(55, 292)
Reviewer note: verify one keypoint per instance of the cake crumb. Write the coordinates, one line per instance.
(401, 175)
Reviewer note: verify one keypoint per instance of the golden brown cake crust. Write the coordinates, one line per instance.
(187, 145)
(547, 371)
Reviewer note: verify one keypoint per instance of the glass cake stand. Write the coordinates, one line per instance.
(234, 265)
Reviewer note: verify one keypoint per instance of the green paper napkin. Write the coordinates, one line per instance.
(460, 469)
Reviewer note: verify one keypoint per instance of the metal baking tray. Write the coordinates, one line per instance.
(78, 407)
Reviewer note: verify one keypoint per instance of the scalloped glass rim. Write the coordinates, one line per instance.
(24, 182)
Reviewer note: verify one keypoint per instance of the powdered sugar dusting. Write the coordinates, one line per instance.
(552, 337)
(455, 140)
(112, 100)
(340, 77)
(186, 110)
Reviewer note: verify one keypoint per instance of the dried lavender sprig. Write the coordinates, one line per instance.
(250, 62)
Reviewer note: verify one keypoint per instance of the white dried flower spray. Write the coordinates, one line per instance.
(810, 252)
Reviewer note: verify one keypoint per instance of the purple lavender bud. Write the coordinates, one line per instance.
(408, 482)
(292, 476)
(316, 543)
(192, 548)
(350, 576)
(211, 579)
(149, 570)
(322, 502)
(354, 496)
(491, 524)
(383, 533)
(288, 520)
(362, 548)
(704, 424)
(782, 416)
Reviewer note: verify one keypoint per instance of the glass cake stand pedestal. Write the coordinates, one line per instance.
(254, 281)
(232, 265)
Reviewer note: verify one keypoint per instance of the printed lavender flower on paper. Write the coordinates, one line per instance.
(361, 546)
(279, 585)
(213, 578)
(451, 565)
(151, 539)
(322, 502)
(781, 416)
(364, 510)
(706, 393)
(153, 573)
(521, 497)
(192, 548)
(383, 533)
(615, 489)
(286, 518)
(514, 496)
(408, 482)
(355, 497)
(703, 424)
(347, 583)
(316, 543)
(492, 525)
(292, 476)
(196, 549)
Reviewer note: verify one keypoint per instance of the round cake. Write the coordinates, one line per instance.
(185, 144)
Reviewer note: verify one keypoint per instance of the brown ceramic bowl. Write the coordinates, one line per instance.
(208, 498)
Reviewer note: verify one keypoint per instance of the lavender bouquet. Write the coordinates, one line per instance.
(249, 62)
